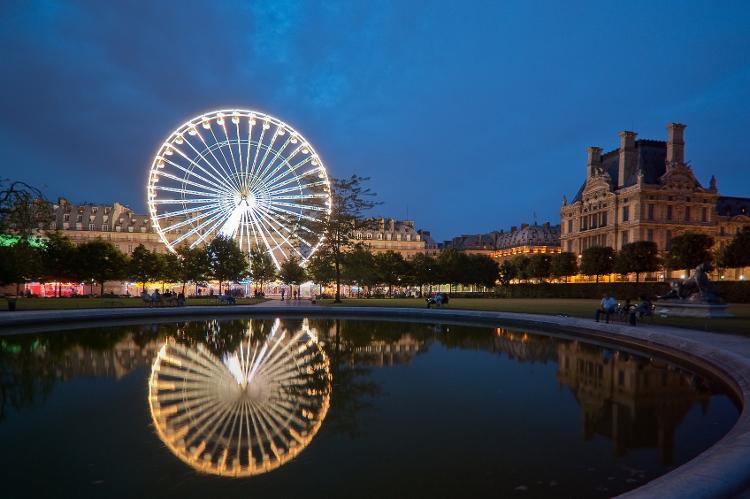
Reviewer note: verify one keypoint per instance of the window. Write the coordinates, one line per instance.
(105, 227)
(130, 228)
(624, 237)
(91, 226)
(79, 218)
(570, 246)
(604, 219)
(721, 231)
(650, 235)
(66, 217)
(687, 213)
(669, 213)
(704, 215)
(106, 211)
(570, 225)
(650, 214)
(584, 223)
(625, 213)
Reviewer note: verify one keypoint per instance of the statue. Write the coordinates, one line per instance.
(696, 288)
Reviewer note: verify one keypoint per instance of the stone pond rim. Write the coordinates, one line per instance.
(722, 470)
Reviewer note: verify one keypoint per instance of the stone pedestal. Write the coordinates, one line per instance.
(683, 308)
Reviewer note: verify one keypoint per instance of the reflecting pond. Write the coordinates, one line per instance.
(340, 408)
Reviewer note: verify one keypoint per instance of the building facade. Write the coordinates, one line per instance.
(502, 245)
(645, 191)
(115, 223)
(389, 234)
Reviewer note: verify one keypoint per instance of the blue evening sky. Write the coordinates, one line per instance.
(468, 115)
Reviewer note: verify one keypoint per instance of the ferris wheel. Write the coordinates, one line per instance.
(245, 413)
(241, 174)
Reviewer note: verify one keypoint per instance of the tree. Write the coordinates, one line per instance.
(358, 267)
(689, 250)
(640, 256)
(507, 272)
(390, 268)
(23, 208)
(144, 266)
(564, 265)
(737, 253)
(539, 266)
(482, 270)
(422, 270)
(195, 266)
(100, 261)
(320, 270)
(58, 256)
(597, 260)
(228, 262)
(262, 268)
(19, 262)
(521, 264)
(169, 267)
(291, 272)
(451, 265)
(350, 199)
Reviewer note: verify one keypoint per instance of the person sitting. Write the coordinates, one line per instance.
(644, 308)
(608, 307)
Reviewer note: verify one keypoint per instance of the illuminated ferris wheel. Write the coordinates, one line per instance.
(245, 413)
(244, 175)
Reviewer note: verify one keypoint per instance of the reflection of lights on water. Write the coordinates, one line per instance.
(247, 413)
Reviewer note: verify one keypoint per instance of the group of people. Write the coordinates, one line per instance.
(609, 305)
(295, 294)
(438, 299)
(168, 298)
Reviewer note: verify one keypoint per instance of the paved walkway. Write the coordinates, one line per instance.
(721, 471)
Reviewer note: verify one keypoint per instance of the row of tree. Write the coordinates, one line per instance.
(686, 252)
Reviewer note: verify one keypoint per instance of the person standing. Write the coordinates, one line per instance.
(283, 291)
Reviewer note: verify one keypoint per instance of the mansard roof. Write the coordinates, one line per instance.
(730, 206)
(651, 163)
(527, 235)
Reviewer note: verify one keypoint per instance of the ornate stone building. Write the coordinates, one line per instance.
(645, 191)
(389, 234)
(501, 245)
(115, 223)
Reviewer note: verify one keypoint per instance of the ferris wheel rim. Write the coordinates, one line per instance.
(280, 200)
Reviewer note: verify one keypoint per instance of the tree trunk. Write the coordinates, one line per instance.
(183, 287)
(143, 286)
(101, 291)
(597, 278)
(637, 274)
(219, 287)
(337, 299)
(18, 288)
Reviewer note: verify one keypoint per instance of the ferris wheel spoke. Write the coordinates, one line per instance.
(216, 187)
(222, 177)
(220, 147)
(219, 216)
(182, 191)
(231, 152)
(192, 220)
(284, 238)
(298, 187)
(281, 179)
(268, 147)
(184, 201)
(226, 173)
(257, 150)
(293, 197)
(297, 205)
(246, 172)
(270, 216)
(239, 150)
(293, 214)
(261, 171)
(216, 182)
(190, 182)
(271, 177)
(265, 239)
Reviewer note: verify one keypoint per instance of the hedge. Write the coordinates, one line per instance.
(731, 291)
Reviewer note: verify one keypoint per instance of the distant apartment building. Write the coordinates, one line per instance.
(389, 234)
(645, 191)
(115, 223)
(502, 245)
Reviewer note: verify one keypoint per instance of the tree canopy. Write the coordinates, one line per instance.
(689, 250)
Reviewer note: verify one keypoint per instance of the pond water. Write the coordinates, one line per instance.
(341, 408)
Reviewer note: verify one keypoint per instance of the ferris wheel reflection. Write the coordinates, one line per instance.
(242, 412)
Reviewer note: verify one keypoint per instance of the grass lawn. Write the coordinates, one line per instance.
(71, 303)
(740, 323)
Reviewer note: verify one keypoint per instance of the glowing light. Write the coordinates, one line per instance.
(236, 182)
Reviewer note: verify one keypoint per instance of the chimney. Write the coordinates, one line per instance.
(523, 226)
(513, 229)
(594, 161)
(675, 144)
(628, 159)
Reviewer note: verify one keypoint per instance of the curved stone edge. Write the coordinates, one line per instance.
(722, 470)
